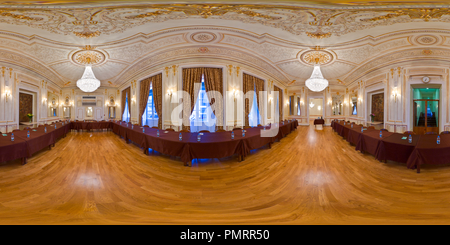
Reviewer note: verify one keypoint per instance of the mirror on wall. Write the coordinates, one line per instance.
(354, 105)
(112, 112)
(337, 105)
(89, 112)
(291, 105)
(66, 112)
(54, 112)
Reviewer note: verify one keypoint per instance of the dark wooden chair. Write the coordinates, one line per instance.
(237, 129)
(220, 130)
(155, 127)
(204, 131)
(445, 132)
(170, 129)
(430, 133)
(15, 130)
(409, 133)
(146, 126)
(361, 125)
(383, 129)
(27, 128)
(184, 131)
(371, 127)
(246, 127)
(259, 125)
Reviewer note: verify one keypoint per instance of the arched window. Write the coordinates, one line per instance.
(202, 117)
(298, 107)
(150, 116)
(126, 113)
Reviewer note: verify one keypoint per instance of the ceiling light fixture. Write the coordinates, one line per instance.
(316, 82)
(88, 82)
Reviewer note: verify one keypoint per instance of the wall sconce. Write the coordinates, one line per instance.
(44, 101)
(270, 98)
(170, 92)
(319, 108)
(133, 99)
(7, 94)
(301, 102)
(395, 94)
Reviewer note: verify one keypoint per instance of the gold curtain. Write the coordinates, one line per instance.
(259, 86)
(190, 77)
(143, 96)
(125, 92)
(251, 83)
(280, 101)
(214, 82)
(248, 85)
(157, 97)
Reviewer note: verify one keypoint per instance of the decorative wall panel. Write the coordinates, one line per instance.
(25, 106)
(378, 107)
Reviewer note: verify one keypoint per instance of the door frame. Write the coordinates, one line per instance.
(423, 130)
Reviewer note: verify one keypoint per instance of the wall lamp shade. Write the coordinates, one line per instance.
(88, 82)
(316, 82)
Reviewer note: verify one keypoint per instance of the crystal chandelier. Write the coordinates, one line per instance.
(316, 82)
(88, 83)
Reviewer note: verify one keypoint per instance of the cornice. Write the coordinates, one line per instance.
(397, 57)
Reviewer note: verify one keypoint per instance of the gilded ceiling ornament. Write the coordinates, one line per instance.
(421, 13)
(318, 35)
(317, 23)
(88, 58)
(317, 55)
(203, 50)
(427, 52)
(18, 17)
(87, 34)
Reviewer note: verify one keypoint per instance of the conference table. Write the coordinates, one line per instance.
(423, 149)
(24, 147)
(319, 122)
(211, 145)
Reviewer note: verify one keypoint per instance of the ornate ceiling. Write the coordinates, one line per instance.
(122, 39)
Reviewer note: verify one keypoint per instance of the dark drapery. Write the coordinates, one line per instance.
(251, 83)
(143, 96)
(214, 82)
(280, 101)
(190, 77)
(157, 97)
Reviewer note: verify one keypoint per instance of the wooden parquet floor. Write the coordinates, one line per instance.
(310, 177)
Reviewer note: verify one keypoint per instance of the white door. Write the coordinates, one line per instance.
(80, 113)
(98, 114)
